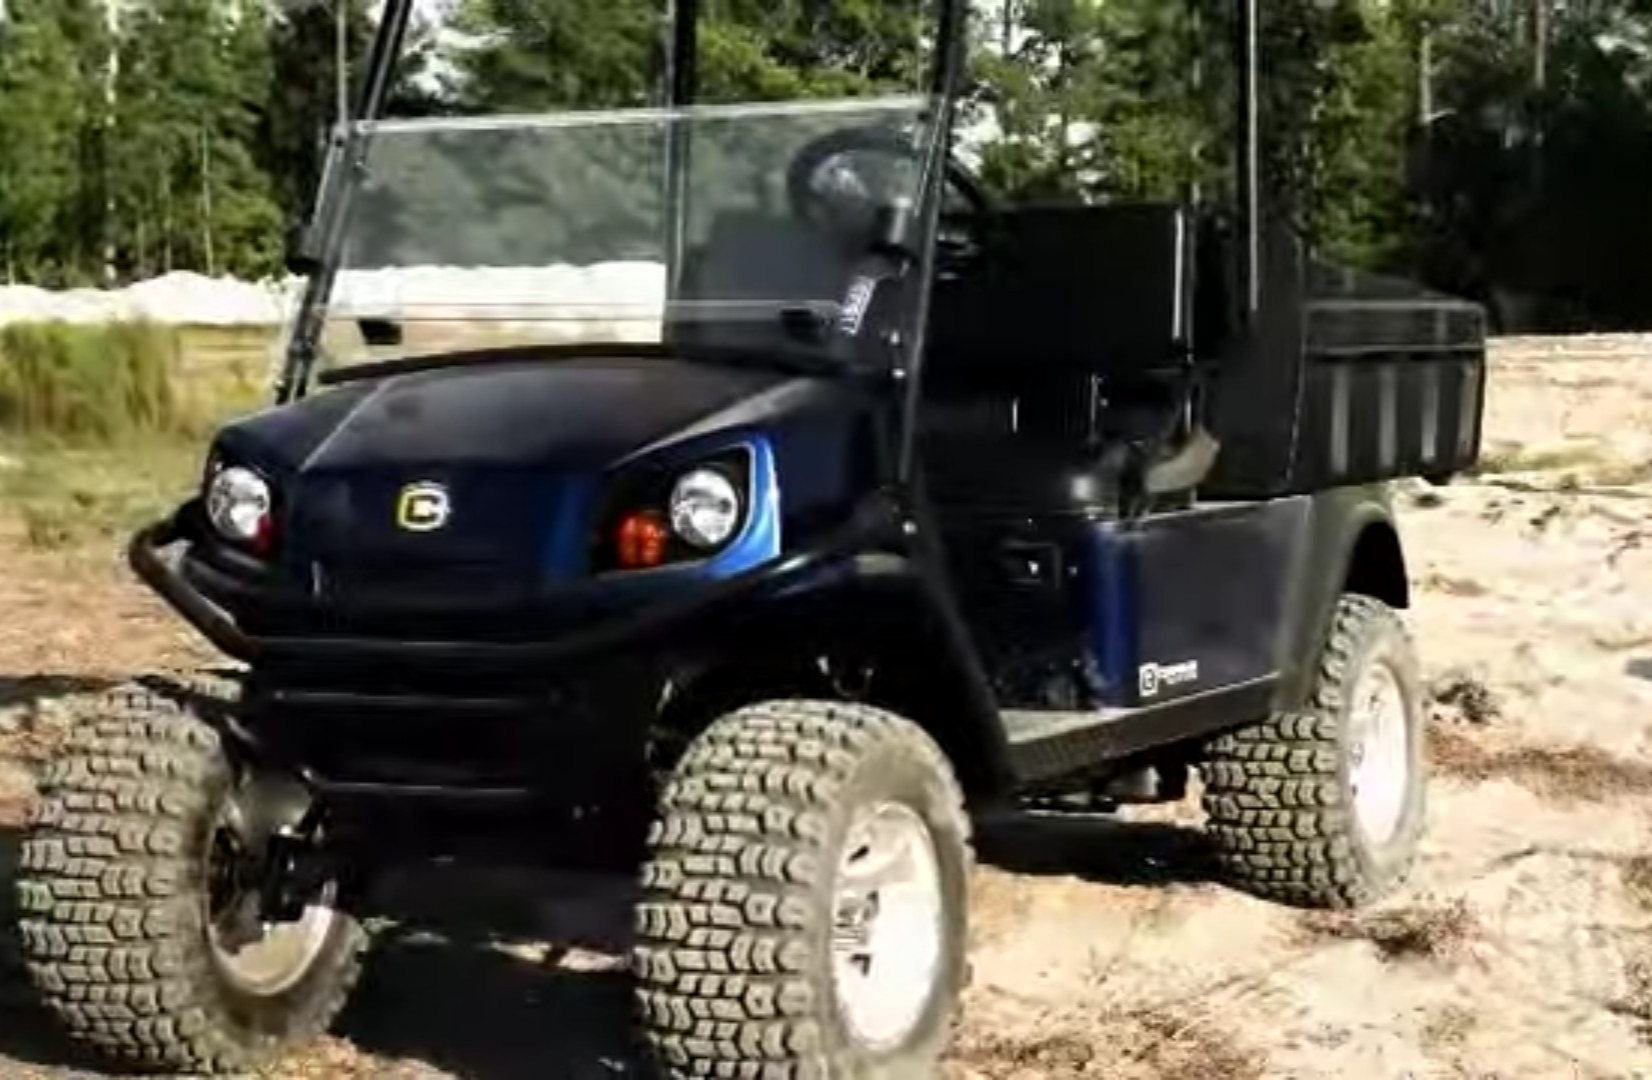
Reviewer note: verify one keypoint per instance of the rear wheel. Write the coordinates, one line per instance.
(805, 908)
(140, 898)
(1324, 807)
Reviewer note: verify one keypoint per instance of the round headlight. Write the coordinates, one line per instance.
(705, 508)
(238, 504)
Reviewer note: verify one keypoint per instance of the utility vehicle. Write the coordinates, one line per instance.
(870, 504)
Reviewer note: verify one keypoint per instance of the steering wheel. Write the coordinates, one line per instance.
(841, 181)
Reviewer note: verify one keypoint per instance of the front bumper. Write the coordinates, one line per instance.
(834, 553)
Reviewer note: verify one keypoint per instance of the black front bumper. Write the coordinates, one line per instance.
(835, 553)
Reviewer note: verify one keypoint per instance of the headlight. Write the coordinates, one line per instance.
(705, 508)
(238, 504)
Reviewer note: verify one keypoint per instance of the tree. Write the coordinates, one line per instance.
(191, 90)
(42, 113)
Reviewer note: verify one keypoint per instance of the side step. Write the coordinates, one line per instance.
(1045, 744)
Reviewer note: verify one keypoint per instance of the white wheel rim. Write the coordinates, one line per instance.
(282, 953)
(280, 958)
(1380, 744)
(887, 932)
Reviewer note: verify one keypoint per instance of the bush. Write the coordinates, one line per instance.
(89, 384)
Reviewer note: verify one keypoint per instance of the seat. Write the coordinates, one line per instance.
(1076, 332)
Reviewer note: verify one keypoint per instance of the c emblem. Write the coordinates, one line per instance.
(422, 507)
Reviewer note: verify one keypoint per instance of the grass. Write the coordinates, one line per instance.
(102, 427)
(66, 496)
(88, 383)
(107, 383)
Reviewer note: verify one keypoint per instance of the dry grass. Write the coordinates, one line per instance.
(1637, 880)
(1584, 462)
(1117, 1045)
(88, 383)
(1452, 585)
(1497, 460)
(1448, 1029)
(66, 497)
(103, 426)
(1427, 930)
(1566, 774)
(1636, 1003)
(1466, 696)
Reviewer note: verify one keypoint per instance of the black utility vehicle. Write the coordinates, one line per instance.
(862, 502)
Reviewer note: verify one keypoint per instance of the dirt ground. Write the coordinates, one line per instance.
(1522, 948)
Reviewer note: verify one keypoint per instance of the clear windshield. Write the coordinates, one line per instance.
(473, 233)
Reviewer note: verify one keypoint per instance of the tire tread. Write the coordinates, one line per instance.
(1273, 791)
(105, 889)
(726, 919)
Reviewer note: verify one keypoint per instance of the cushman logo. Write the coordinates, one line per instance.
(422, 507)
(1152, 677)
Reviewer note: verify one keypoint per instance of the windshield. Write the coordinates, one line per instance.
(481, 232)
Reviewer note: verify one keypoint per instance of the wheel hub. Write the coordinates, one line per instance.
(257, 954)
(1380, 753)
(887, 925)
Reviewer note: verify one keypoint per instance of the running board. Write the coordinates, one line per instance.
(1045, 744)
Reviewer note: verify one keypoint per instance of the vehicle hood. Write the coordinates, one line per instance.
(523, 451)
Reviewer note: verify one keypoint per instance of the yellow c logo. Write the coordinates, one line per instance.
(422, 507)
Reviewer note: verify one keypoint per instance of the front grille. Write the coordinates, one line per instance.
(406, 585)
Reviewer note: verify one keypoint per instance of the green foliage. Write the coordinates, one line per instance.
(188, 133)
(188, 100)
(43, 104)
(88, 384)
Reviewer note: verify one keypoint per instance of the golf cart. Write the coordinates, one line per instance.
(869, 502)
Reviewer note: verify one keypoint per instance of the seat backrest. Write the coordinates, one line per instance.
(760, 259)
(1061, 290)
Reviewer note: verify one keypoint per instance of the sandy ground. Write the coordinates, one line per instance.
(1522, 948)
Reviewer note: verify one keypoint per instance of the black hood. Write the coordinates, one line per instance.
(522, 449)
(583, 414)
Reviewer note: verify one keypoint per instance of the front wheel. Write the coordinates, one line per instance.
(141, 923)
(1324, 807)
(806, 895)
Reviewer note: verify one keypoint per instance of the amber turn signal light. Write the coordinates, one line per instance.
(641, 539)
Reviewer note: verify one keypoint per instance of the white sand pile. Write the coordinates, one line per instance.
(601, 295)
(180, 298)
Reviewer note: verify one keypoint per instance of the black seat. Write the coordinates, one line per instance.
(1075, 333)
(1095, 290)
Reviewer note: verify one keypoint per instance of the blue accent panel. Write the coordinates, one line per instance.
(567, 547)
(759, 539)
(1114, 614)
(757, 542)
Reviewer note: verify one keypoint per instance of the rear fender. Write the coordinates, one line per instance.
(1353, 546)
